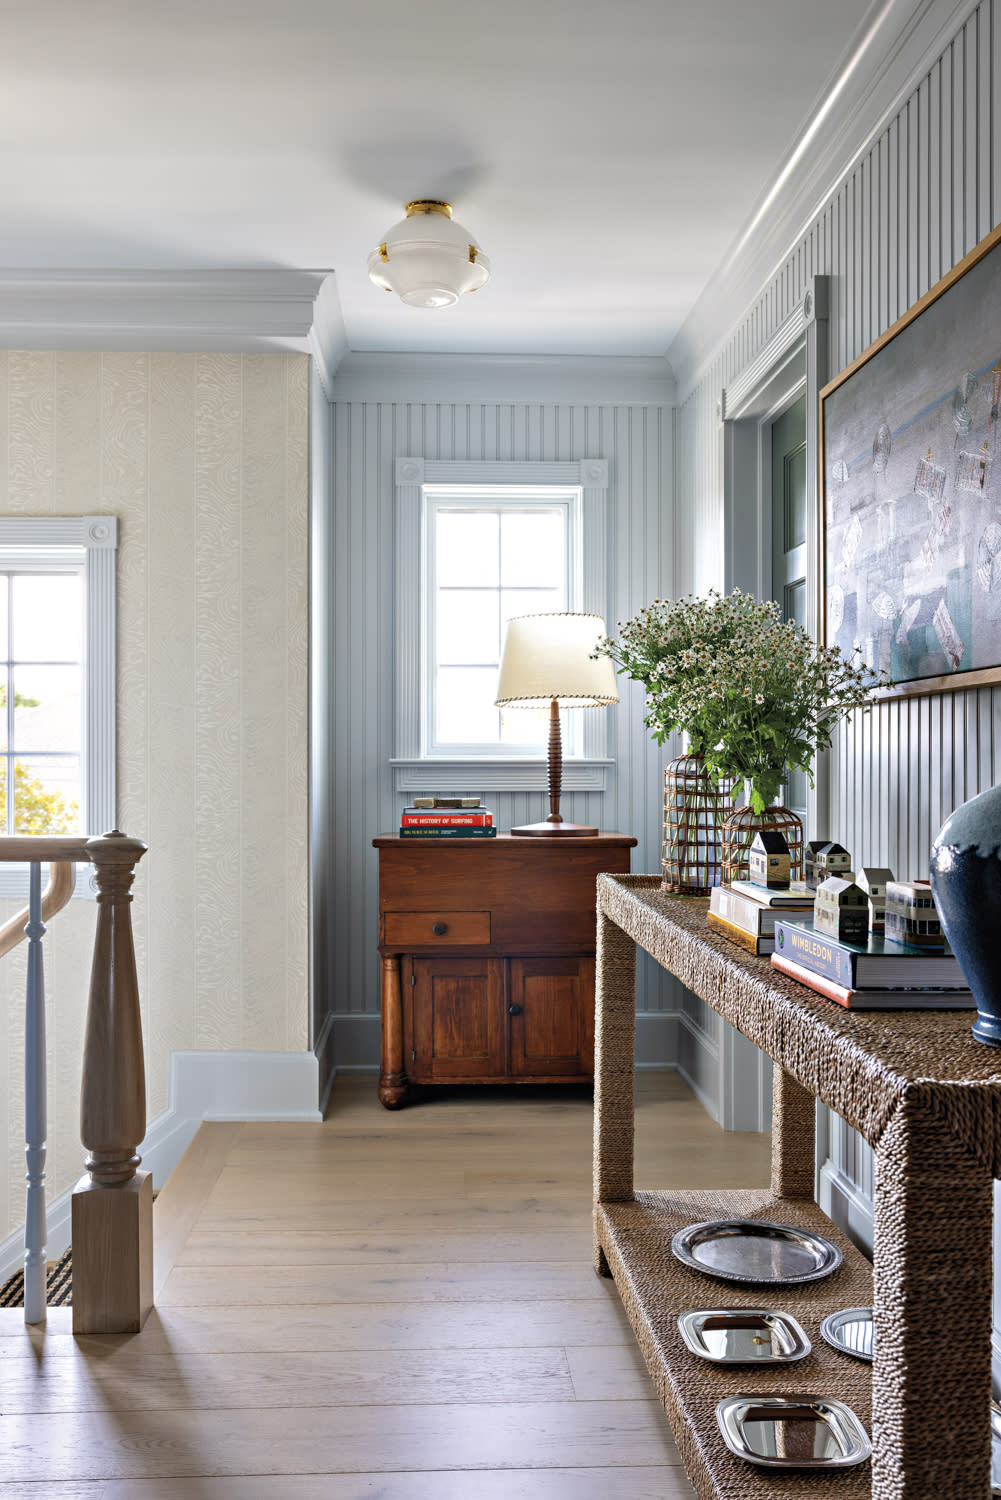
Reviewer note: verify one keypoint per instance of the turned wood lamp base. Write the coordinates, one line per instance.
(549, 830)
(554, 826)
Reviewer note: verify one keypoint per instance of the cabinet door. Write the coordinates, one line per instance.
(458, 1020)
(552, 1017)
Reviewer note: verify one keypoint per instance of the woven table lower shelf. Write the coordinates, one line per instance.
(655, 1288)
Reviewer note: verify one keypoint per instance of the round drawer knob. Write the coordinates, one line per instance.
(514, 1010)
(439, 928)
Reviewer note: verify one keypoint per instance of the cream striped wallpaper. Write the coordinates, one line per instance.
(204, 459)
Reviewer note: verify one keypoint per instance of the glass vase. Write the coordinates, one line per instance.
(695, 805)
(739, 828)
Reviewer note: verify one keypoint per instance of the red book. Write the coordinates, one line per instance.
(917, 999)
(439, 819)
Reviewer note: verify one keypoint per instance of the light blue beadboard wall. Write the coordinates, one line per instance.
(922, 194)
(367, 435)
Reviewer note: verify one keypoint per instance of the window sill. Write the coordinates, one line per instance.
(470, 774)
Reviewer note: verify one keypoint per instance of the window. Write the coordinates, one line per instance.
(57, 672)
(490, 554)
(476, 544)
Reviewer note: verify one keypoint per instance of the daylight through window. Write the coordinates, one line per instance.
(41, 700)
(490, 559)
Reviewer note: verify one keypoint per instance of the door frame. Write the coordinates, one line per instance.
(796, 359)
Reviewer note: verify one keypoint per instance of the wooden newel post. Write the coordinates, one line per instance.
(113, 1204)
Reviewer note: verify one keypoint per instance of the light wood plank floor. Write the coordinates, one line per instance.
(386, 1305)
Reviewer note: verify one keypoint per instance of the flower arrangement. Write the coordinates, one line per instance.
(755, 695)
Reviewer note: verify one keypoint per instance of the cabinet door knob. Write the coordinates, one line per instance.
(514, 1010)
(439, 928)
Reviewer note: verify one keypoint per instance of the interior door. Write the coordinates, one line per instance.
(789, 543)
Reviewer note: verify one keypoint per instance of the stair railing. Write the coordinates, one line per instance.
(112, 1206)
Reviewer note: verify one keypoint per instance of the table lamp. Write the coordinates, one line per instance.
(549, 659)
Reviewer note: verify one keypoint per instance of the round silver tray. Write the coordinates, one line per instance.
(850, 1332)
(756, 1251)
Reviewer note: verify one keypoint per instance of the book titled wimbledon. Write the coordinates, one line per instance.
(921, 999)
(871, 966)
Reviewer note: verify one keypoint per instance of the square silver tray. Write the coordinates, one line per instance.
(793, 1432)
(756, 1251)
(743, 1336)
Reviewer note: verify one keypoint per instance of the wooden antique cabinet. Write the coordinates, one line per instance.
(487, 952)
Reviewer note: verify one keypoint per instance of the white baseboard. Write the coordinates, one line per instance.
(698, 1063)
(355, 1039)
(656, 1038)
(202, 1086)
(326, 1063)
(849, 1208)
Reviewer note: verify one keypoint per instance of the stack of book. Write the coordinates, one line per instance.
(876, 975)
(447, 818)
(745, 913)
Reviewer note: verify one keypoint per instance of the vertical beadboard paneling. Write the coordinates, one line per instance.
(366, 437)
(923, 195)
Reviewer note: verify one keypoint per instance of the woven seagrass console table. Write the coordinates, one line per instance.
(927, 1097)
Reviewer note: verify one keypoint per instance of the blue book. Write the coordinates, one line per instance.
(875, 965)
(448, 833)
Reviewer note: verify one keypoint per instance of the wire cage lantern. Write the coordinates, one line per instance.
(695, 806)
(739, 829)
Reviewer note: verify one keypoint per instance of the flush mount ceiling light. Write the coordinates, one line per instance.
(427, 258)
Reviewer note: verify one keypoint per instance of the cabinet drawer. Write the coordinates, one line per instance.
(416, 929)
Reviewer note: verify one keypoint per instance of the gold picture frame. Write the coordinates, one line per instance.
(910, 489)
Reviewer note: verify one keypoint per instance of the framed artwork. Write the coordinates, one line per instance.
(910, 530)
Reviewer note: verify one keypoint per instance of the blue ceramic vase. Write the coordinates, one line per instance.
(966, 884)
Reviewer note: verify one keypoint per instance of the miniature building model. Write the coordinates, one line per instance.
(874, 879)
(810, 853)
(842, 909)
(769, 860)
(911, 916)
(832, 859)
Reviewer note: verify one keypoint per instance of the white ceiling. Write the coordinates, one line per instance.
(605, 153)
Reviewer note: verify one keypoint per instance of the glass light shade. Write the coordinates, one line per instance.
(549, 656)
(428, 259)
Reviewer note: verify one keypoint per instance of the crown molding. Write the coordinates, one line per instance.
(174, 310)
(892, 50)
(618, 380)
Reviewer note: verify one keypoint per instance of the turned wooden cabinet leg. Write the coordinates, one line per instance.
(393, 1078)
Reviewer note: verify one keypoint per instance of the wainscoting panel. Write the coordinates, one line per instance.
(368, 435)
(919, 196)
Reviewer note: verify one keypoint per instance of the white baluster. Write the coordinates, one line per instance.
(35, 1121)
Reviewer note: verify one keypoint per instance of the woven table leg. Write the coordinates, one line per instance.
(614, 1065)
(932, 1279)
(793, 1132)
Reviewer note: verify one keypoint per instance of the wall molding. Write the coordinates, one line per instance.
(412, 774)
(841, 1200)
(358, 1040)
(183, 311)
(203, 1086)
(616, 380)
(894, 47)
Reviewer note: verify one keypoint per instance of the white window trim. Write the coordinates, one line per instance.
(413, 770)
(92, 540)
